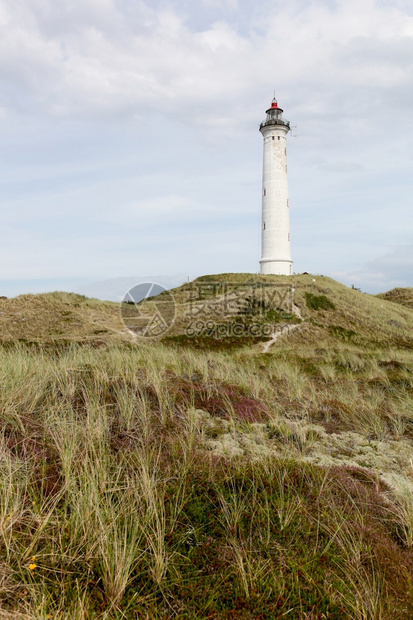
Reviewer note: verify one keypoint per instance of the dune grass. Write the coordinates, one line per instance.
(200, 477)
(118, 498)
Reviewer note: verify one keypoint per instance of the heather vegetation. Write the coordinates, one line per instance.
(199, 477)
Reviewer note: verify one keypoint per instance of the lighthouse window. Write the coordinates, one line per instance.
(263, 225)
(264, 193)
(279, 138)
(273, 138)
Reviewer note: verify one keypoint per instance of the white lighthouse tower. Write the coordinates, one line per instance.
(276, 252)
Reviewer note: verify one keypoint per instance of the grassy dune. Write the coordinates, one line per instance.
(199, 477)
(403, 296)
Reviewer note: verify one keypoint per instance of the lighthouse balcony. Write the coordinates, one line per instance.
(275, 121)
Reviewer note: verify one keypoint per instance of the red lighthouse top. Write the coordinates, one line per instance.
(274, 110)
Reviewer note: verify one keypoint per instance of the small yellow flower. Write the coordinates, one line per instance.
(33, 558)
(32, 566)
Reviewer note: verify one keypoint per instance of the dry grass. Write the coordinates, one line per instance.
(59, 317)
(403, 296)
(155, 480)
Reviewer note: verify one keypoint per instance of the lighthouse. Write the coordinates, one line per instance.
(276, 251)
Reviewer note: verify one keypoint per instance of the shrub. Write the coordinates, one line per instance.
(318, 302)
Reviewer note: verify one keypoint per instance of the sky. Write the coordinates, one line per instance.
(130, 143)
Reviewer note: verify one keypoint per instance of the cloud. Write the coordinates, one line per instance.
(117, 58)
(121, 118)
(230, 5)
(388, 271)
(341, 166)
